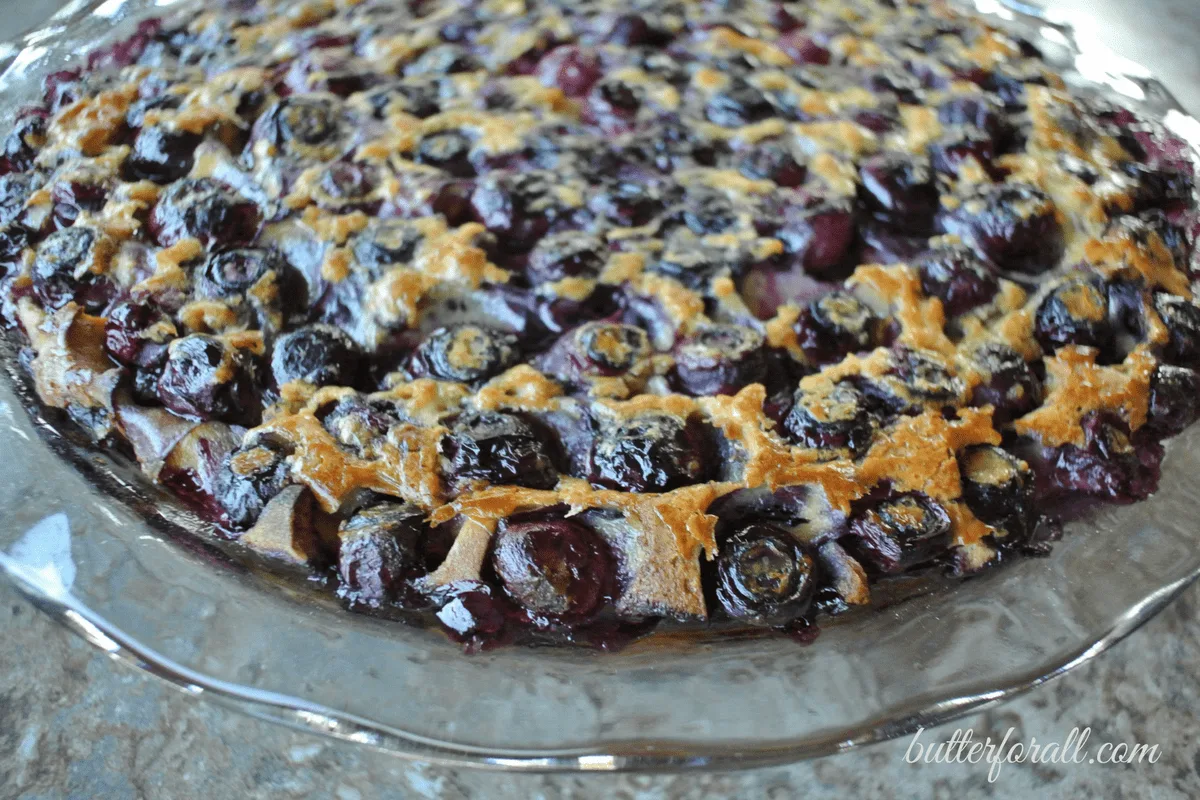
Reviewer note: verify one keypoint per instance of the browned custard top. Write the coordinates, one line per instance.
(678, 253)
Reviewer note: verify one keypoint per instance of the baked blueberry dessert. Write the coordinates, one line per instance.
(552, 322)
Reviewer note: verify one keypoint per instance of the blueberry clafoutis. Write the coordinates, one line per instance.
(555, 322)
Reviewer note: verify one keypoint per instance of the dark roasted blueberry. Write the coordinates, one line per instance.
(1174, 399)
(203, 209)
(635, 30)
(764, 576)
(137, 334)
(670, 144)
(836, 418)
(949, 153)
(161, 155)
(15, 224)
(738, 104)
(344, 186)
(1008, 82)
(387, 242)
(502, 449)
(695, 263)
(596, 350)
(71, 198)
(899, 190)
(254, 474)
(1182, 320)
(302, 124)
(1075, 312)
(322, 355)
(449, 151)
(899, 533)
(707, 212)
(836, 324)
(231, 273)
(1014, 226)
(557, 569)
(378, 552)
(23, 142)
(981, 112)
(64, 264)
(804, 49)
(720, 359)
(465, 353)
(1006, 382)
(626, 203)
(816, 233)
(444, 59)
(206, 379)
(518, 208)
(570, 254)
(613, 105)
(1158, 187)
(774, 161)
(924, 376)
(652, 452)
(956, 276)
(359, 422)
(998, 488)
(418, 97)
(1111, 465)
(570, 68)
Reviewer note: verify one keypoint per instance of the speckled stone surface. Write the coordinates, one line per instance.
(75, 725)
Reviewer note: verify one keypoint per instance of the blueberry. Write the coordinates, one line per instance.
(997, 487)
(652, 452)
(322, 355)
(1174, 399)
(502, 449)
(949, 153)
(302, 124)
(206, 379)
(443, 59)
(570, 68)
(1013, 226)
(417, 97)
(464, 353)
(836, 324)
(203, 209)
(613, 105)
(738, 104)
(518, 208)
(764, 576)
(837, 419)
(556, 568)
(706, 212)
(1006, 382)
(670, 144)
(231, 273)
(899, 533)
(344, 186)
(1182, 319)
(899, 190)
(774, 161)
(1075, 312)
(61, 267)
(71, 198)
(359, 423)
(385, 243)
(1158, 187)
(256, 473)
(23, 142)
(161, 155)
(695, 263)
(137, 334)
(570, 254)
(957, 277)
(817, 233)
(720, 359)
(378, 552)
(634, 30)
(981, 112)
(449, 151)
(596, 349)
(924, 376)
(626, 203)
(1111, 465)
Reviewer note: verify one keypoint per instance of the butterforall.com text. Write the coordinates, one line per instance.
(963, 748)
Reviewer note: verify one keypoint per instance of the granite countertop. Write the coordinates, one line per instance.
(75, 725)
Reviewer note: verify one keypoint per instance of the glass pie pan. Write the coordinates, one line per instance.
(91, 543)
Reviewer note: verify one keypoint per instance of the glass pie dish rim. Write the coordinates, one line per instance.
(657, 754)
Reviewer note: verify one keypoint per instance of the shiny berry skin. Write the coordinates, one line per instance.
(835, 325)
(997, 487)
(720, 359)
(924, 376)
(231, 273)
(449, 151)
(21, 146)
(322, 355)
(302, 125)
(346, 187)
(254, 474)
(737, 105)
(203, 209)
(205, 379)
(62, 265)
(464, 353)
(899, 190)
(652, 452)
(816, 232)
(572, 69)
(518, 208)
(951, 151)
(596, 350)
(443, 59)
(774, 161)
(633, 30)
(1075, 312)
(1182, 320)
(1014, 226)
(956, 276)
(161, 155)
(764, 576)
(626, 203)
(981, 112)
(556, 569)
(378, 552)
(137, 334)
(1006, 382)
(695, 263)
(1112, 464)
(837, 419)
(1174, 399)
(899, 533)
(570, 254)
(502, 449)
(386, 243)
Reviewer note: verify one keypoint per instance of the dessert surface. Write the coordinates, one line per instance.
(559, 320)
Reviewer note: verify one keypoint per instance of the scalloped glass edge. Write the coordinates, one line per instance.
(143, 590)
